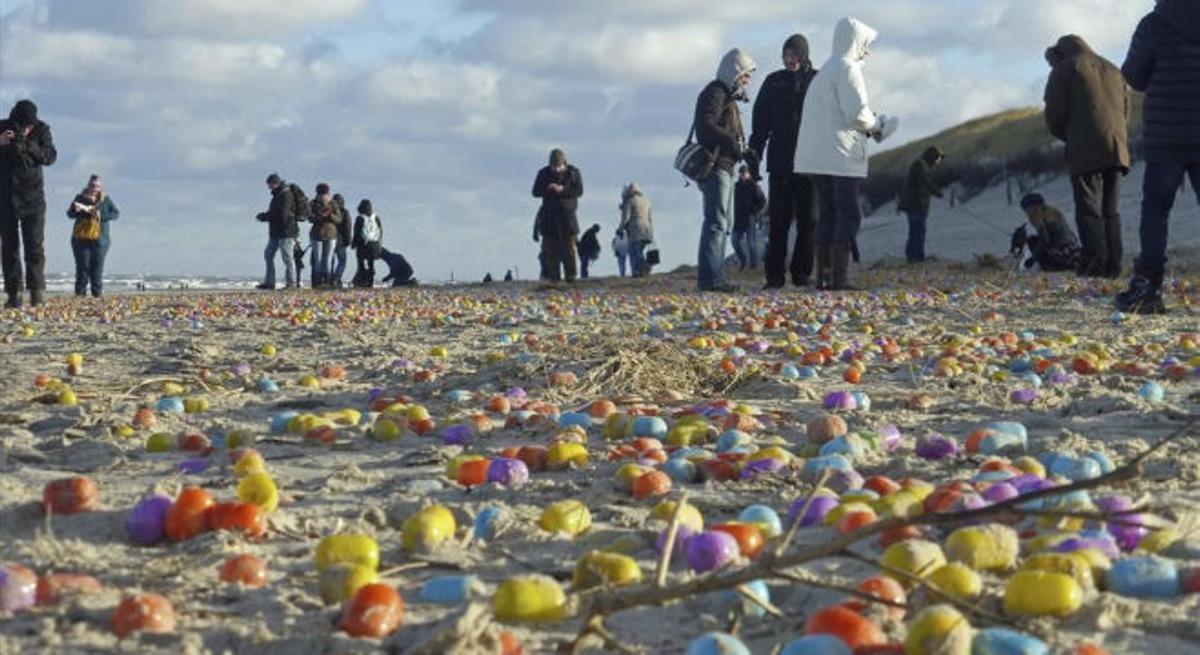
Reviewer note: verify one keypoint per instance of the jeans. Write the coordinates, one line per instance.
(286, 248)
(637, 259)
(840, 214)
(1097, 216)
(322, 258)
(1159, 188)
(89, 266)
(914, 249)
(717, 192)
(793, 200)
(583, 267)
(745, 246)
(339, 259)
(621, 259)
(26, 229)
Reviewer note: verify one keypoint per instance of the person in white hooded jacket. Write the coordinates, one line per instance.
(832, 146)
(718, 123)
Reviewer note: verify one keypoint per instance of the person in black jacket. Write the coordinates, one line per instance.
(345, 229)
(718, 123)
(589, 249)
(559, 185)
(914, 201)
(748, 202)
(282, 232)
(778, 110)
(1164, 62)
(25, 147)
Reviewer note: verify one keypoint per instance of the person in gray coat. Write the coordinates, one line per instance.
(637, 223)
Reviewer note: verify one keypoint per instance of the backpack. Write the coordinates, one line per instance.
(303, 207)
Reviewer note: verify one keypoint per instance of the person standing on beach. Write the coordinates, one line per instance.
(367, 242)
(559, 185)
(589, 249)
(1087, 107)
(637, 223)
(344, 236)
(92, 210)
(914, 201)
(832, 147)
(1164, 63)
(323, 235)
(620, 248)
(718, 124)
(748, 203)
(282, 232)
(25, 147)
(778, 111)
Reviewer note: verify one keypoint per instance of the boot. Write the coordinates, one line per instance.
(14, 301)
(1144, 296)
(35, 297)
(317, 281)
(824, 274)
(840, 265)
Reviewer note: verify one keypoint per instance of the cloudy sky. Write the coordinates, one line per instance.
(441, 111)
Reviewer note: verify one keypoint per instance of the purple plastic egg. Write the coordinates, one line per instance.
(458, 434)
(843, 481)
(508, 472)
(145, 523)
(934, 446)
(1072, 544)
(194, 466)
(683, 535)
(890, 435)
(817, 509)
(840, 400)
(1000, 492)
(516, 393)
(709, 551)
(18, 588)
(240, 370)
(758, 467)
(1023, 396)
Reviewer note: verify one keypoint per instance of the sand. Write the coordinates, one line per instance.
(361, 485)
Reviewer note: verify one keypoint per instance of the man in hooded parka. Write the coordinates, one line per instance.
(792, 200)
(832, 146)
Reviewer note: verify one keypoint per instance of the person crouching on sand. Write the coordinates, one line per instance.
(92, 210)
(1055, 247)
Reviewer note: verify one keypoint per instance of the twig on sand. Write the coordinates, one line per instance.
(402, 568)
(795, 523)
(175, 379)
(660, 578)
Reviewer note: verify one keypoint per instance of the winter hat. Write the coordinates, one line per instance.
(799, 45)
(1032, 200)
(273, 178)
(734, 64)
(24, 113)
(558, 157)
(364, 207)
(322, 189)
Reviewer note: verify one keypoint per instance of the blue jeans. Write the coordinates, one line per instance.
(339, 259)
(745, 246)
(89, 266)
(621, 259)
(914, 249)
(637, 259)
(717, 191)
(322, 258)
(1159, 189)
(284, 247)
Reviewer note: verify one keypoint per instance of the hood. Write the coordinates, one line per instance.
(852, 38)
(798, 44)
(734, 64)
(932, 154)
(632, 190)
(1183, 15)
(24, 113)
(1067, 47)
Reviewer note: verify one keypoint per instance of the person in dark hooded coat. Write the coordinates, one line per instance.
(589, 249)
(1164, 62)
(914, 201)
(1087, 106)
(25, 147)
(559, 185)
(778, 110)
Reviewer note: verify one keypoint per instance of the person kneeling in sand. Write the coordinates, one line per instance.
(1055, 247)
(400, 272)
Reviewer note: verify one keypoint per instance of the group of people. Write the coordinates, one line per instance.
(330, 234)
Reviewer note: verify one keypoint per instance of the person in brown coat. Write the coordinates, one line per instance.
(325, 219)
(1087, 106)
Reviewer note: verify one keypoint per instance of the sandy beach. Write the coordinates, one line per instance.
(653, 349)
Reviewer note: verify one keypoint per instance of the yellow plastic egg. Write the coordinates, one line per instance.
(1078, 567)
(939, 630)
(605, 568)
(417, 413)
(564, 454)
(385, 429)
(458, 460)
(123, 431)
(339, 582)
(268, 349)
(67, 398)
(617, 426)
(250, 462)
(309, 382)
(915, 557)
(1030, 465)
(570, 517)
(990, 547)
(358, 550)
(1040, 593)
(428, 529)
(689, 516)
(627, 473)
(1158, 541)
(259, 488)
(956, 580)
(439, 351)
(536, 598)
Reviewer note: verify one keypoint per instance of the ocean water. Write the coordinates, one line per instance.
(65, 283)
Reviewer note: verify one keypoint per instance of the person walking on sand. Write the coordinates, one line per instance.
(367, 242)
(282, 232)
(718, 124)
(559, 185)
(637, 223)
(589, 249)
(748, 203)
(92, 210)
(1164, 63)
(778, 112)
(832, 146)
(323, 236)
(25, 147)
(344, 236)
(914, 201)
(620, 248)
(1055, 247)
(1087, 107)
